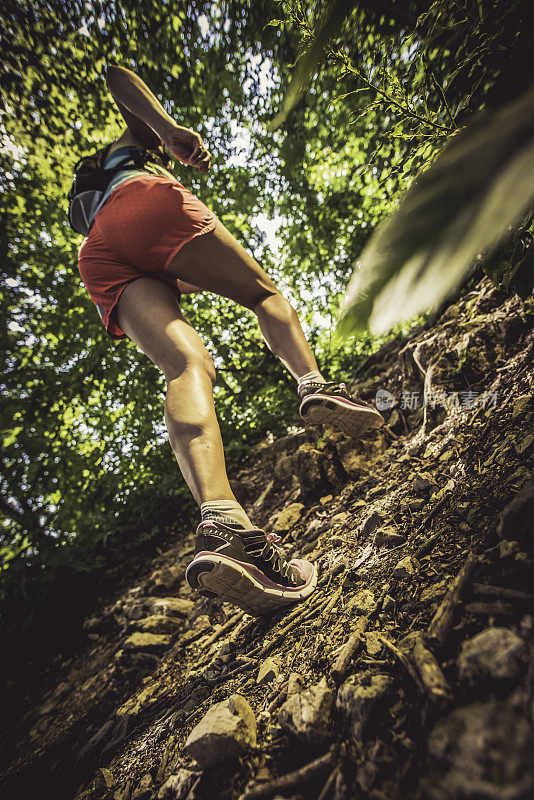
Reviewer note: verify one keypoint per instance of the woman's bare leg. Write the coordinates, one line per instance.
(216, 262)
(149, 313)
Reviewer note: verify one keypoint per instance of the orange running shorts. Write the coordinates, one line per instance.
(136, 233)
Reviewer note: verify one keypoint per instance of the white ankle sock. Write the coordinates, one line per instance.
(314, 375)
(229, 512)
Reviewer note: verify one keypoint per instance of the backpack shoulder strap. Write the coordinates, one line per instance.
(100, 157)
(104, 154)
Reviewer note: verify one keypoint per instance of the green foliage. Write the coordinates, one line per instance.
(457, 212)
(420, 77)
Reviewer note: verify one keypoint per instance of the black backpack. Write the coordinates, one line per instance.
(91, 181)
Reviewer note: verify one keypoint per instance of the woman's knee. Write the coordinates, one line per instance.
(274, 296)
(186, 360)
(274, 304)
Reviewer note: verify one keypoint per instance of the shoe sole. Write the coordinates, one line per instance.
(216, 576)
(350, 419)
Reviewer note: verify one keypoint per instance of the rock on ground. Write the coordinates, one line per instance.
(496, 653)
(147, 642)
(307, 714)
(226, 731)
(178, 786)
(289, 516)
(157, 623)
(482, 751)
(359, 702)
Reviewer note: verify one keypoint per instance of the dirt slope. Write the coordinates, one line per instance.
(408, 674)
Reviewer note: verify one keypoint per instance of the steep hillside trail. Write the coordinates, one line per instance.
(409, 673)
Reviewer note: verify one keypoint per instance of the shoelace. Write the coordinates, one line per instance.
(336, 388)
(332, 387)
(282, 565)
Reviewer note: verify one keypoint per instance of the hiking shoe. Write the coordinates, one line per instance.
(331, 404)
(246, 569)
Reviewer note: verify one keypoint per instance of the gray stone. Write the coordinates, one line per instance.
(354, 461)
(416, 505)
(104, 780)
(289, 516)
(388, 537)
(295, 684)
(423, 482)
(91, 750)
(395, 421)
(268, 671)
(371, 523)
(521, 404)
(204, 606)
(434, 592)
(226, 731)
(316, 527)
(373, 645)
(482, 751)
(133, 659)
(165, 606)
(310, 468)
(406, 568)
(523, 444)
(387, 603)
(52, 698)
(363, 603)
(359, 702)
(496, 653)
(164, 580)
(339, 518)
(307, 714)
(508, 548)
(178, 786)
(284, 467)
(157, 623)
(147, 642)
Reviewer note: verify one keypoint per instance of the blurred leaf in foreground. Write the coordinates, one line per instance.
(459, 210)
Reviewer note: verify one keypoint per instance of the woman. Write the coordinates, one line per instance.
(150, 241)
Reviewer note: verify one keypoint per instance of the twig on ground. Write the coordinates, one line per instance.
(290, 781)
(388, 430)
(231, 622)
(328, 784)
(278, 700)
(442, 619)
(343, 660)
(433, 679)
(331, 603)
(191, 792)
(310, 613)
(502, 593)
(428, 545)
(495, 609)
(431, 514)
(300, 611)
(337, 569)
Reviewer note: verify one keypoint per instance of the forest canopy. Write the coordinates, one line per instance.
(318, 115)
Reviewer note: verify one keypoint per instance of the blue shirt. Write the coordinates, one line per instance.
(125, 174)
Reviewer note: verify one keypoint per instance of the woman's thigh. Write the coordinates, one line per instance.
(216, 262)
(149, 314)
